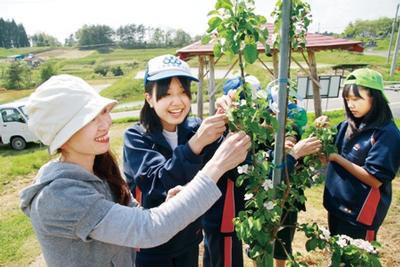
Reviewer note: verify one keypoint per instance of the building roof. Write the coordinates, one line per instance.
(314, 41)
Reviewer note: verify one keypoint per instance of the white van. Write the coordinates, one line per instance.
(13, 126)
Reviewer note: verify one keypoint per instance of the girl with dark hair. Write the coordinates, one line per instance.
(80, 206)
(167, 149)
(358, 187)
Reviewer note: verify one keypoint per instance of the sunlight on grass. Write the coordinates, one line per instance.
(20, 163)
(15, 230)
(11, 95)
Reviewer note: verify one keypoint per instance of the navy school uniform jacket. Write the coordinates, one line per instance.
(150, 164)
(214, 220)
(377, 150)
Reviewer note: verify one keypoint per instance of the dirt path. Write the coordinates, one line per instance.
(64, 53)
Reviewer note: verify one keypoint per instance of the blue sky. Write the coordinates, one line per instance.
(63, 17)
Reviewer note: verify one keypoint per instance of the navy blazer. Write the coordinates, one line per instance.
(377, 150)
(150, 164)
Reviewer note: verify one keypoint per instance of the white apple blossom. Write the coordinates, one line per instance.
(243, 169)
(343, 240)
(364, 245)
(248, 196)
(267, 185)
(269, 205)
(325, 235)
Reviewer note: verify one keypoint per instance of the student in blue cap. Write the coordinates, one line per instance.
(167, 149)
(358, 188)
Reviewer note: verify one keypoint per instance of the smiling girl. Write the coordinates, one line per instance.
(167, 149)
(358, 188)
(79, 204)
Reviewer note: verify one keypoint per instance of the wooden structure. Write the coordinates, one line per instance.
(314, 43)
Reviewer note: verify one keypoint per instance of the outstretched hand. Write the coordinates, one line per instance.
(306, 147)
(174, 191)
(224, 102)
(321, 121)
(209, 131)
(230, 153)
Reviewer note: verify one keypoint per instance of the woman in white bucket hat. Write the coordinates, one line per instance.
(79, 205)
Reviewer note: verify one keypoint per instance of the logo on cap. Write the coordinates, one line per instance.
(172, 61)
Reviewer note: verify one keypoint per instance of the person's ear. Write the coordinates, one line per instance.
(149, 99)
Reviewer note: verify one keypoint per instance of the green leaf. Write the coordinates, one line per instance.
(311, 244)
(226, 4)
(213, 12)
(217, 50)
(250, 53)
(206, 39)
(268, 260)
(336, 258)
(214, 22)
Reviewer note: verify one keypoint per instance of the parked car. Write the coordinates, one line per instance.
(13, 126)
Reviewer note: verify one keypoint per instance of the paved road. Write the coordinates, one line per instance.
(337, 103)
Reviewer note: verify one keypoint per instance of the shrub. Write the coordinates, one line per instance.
(101, 69)
(117, 71)
(18, 75)
(46, 71)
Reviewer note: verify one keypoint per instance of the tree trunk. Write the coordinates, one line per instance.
(316, 89)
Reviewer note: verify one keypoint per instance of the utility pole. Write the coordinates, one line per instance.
(283, 93)
(391, 35)
(396, 50)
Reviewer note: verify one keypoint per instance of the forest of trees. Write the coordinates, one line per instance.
(369, 29)
(12, 35)
(43, 39)
(128, 36)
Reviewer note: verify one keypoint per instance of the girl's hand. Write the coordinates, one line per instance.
(223, 103)
(333, 156)
(173, 192)
(230, 153)
(321, 121)
(323, 158)
(209, 131)
(306, 147)
(290, 141)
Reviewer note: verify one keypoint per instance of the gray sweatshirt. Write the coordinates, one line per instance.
(78, 224)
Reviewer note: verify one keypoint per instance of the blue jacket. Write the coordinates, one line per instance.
(150, 164)
(213, 218)
(377, 150)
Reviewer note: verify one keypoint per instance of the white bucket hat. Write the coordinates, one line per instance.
(60, 107)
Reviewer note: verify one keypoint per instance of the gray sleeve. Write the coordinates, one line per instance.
(69, 208)
(135, 227)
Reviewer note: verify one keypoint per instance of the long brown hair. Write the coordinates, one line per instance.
(105, 167)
